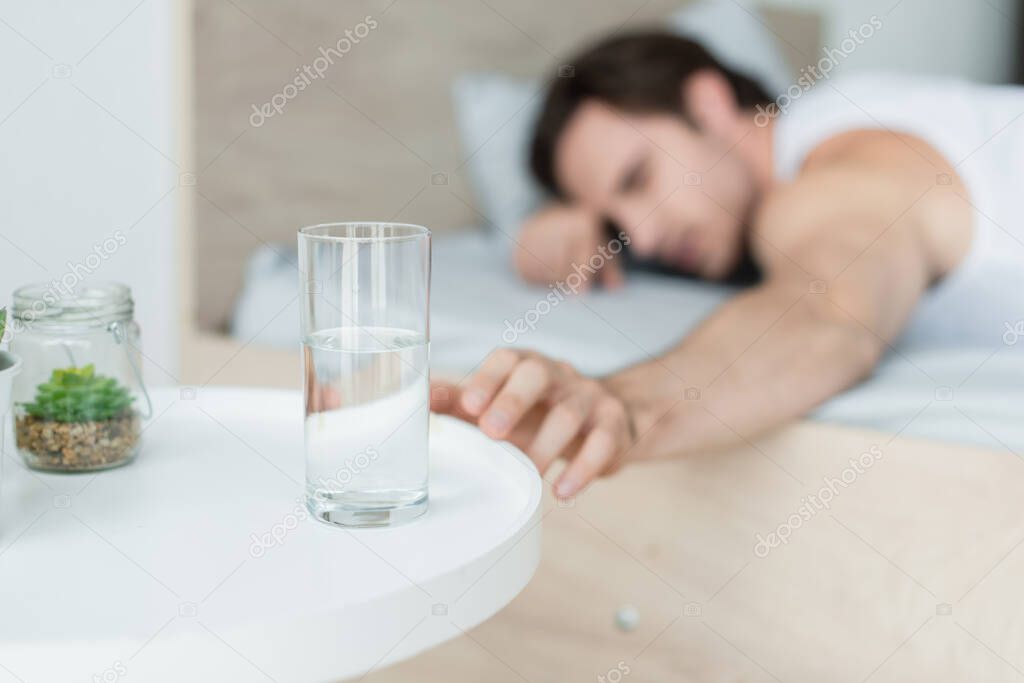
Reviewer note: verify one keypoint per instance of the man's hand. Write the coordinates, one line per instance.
(547, 409)
(555, 239)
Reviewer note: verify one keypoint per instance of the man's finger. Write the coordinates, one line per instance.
(612, 276)
(597, 451)
(561, 425)
(330, 398)
(443, 396)
(444, 399)
(526, 385)
(584, 247)
(482, 386)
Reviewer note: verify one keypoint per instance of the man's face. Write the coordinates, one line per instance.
(679, 194)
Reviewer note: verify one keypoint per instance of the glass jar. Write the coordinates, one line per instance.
(77, 400)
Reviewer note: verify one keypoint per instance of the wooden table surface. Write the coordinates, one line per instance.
(912, 573)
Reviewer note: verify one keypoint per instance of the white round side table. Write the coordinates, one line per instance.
(199, 562)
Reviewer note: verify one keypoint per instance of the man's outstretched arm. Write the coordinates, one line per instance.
(840, 288)
(765, 357)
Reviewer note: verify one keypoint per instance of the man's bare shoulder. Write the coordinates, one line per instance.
(877, 180)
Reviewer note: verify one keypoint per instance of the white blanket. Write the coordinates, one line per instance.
(971, 395)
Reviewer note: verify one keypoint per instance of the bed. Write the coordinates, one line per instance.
(970, 394)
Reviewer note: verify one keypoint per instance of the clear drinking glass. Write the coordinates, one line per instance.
(365, 323)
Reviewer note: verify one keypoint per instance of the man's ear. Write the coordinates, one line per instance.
(711, 103)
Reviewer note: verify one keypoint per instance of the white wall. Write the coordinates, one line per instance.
(87, 148)
(969, 38)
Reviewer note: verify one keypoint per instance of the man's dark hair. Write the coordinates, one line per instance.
(636, 73)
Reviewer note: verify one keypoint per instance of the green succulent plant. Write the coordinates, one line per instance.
(79, 395)
(3, 322)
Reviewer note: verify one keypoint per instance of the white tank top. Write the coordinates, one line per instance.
(979, 129)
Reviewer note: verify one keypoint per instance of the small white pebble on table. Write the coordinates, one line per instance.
(626, 618)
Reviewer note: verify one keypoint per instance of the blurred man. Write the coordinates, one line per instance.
(860, 202)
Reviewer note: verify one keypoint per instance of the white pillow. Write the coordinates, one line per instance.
(497, 142)
(495, 113)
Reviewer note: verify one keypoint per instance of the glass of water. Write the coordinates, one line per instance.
(365, 324)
